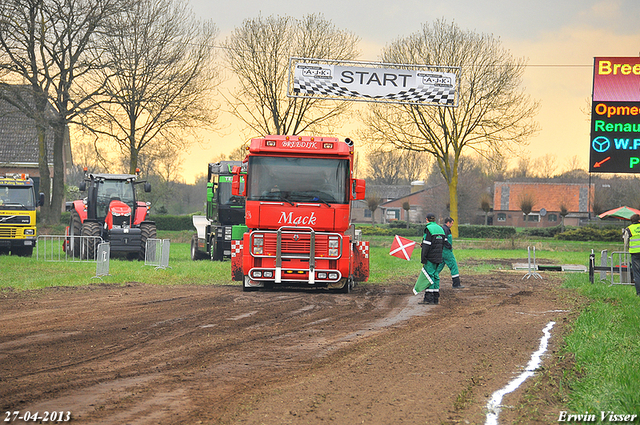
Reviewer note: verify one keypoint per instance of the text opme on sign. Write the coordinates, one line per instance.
(615, 116)
(374, 84)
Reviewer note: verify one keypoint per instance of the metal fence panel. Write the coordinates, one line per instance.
(153, 250)
(157, 253)
(621, 267)
(57, 248)
(102, 260)
(164, 258)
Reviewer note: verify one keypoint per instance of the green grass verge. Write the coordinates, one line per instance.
(604, 340)
(473, 256)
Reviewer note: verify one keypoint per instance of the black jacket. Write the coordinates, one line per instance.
(432, 243)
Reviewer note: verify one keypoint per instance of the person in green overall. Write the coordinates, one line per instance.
(447, 253)
(431, 257)
(633, 234)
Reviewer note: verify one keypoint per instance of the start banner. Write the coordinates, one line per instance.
(374, 82)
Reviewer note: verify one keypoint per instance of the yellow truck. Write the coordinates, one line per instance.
(18, 214)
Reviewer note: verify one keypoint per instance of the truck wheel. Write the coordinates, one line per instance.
(348, 286)
(195, 253)
(90, 231)
(213, 249)
(148, 231)
(75, 230)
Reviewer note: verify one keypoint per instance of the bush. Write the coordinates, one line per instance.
(542, 232)
(592, 233)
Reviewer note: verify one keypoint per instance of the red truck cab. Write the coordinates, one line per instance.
(298, 210)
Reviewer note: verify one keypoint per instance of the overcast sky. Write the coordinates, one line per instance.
(559, 38)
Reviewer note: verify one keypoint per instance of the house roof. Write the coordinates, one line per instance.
(388, 191)
(550, 196)
(18, 136)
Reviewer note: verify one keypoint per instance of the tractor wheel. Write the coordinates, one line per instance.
(90, 241)
(148, 231)
(75, 230)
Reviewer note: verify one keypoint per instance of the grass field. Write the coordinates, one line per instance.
(604, 338)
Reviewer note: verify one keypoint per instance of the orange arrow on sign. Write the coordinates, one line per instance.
(599, 164)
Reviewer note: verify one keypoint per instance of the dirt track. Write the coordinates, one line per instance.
(143, 354)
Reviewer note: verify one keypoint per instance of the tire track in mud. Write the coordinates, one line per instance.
(171, 344)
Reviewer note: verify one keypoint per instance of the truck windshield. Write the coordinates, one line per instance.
(17, 197)
(224, 192)
(298, 179)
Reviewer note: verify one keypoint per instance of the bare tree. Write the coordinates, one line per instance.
(395, 166)
(526, 202)
(564, 211)
(258, 53)
(384, 166)
(406, 206)
(373, 202)
(546, 165)
(486, 202)
(493, 113)
(158, 67)
(51, 45)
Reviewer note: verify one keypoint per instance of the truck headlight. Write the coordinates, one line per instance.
(29, 232)
(334, 243)
(333, 252)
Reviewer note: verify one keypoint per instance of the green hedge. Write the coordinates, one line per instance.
(542, 232)
(486, 232)
(386, 230)
(163, 222)
(172, 222)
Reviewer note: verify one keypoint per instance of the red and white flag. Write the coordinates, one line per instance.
(402, 248)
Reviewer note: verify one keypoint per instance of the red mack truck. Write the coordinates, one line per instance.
(298, 193)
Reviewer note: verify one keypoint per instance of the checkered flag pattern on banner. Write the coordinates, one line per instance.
(402, 248)
(423, 94)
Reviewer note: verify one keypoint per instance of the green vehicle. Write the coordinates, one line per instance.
(224, 221)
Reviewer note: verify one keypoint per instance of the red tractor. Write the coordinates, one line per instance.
(112, 212)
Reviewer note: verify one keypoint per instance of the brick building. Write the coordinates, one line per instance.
(547, 199)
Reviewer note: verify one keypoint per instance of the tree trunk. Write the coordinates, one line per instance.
(57, 198)
(45, 176)
(453, 201)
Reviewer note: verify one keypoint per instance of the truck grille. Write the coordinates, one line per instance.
(8, 232)
(296, 244)
(291, 246)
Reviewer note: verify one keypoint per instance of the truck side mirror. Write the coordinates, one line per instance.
(41, 200)
(83, 186)
(358, 189)
(147, 187)
(238, 188)
(210, 190)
